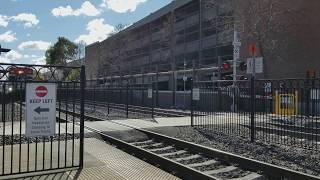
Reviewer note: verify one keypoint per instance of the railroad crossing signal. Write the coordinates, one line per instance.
(226, 66)
(311, 74)
(253, 49)
(243, 66)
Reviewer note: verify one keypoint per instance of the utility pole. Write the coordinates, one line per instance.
(184, 83)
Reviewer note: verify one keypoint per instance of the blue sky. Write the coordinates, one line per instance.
(29, 27)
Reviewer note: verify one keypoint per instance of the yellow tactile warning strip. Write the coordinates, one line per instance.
(119, 165)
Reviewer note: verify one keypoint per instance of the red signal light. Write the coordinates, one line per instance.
(311, 74)
(226, 66)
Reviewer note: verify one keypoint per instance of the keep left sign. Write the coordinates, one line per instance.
(40, 109)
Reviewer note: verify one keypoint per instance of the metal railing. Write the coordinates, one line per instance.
(283, 112)
(22, 154)
(120, 102)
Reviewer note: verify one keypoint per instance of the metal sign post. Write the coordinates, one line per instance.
(253, 51)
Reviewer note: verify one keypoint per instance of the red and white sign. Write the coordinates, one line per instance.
(258, 65)
(41, 91)
(40, 109)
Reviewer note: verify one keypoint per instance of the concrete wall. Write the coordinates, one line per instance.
(291, 49)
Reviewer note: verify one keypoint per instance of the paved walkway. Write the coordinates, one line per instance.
(102, 161)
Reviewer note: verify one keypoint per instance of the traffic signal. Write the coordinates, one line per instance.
(226, 66)
(311, 74)
(243, 66)
(242, 78)
(227, 77)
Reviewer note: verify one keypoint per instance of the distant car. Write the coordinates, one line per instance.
(16, 75)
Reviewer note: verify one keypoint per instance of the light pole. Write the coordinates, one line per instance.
(184, 83)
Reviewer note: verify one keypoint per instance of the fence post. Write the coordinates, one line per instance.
(127, 100)
(82, 95)
(253, 108)
(94, 98)
(157, 87)
(108, 100)
(191, 103)
(152, 104)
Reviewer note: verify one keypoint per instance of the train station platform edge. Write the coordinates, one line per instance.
(103, 161)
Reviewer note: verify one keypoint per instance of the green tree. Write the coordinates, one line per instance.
(62, 51)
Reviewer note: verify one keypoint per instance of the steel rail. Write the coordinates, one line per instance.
(295, 134)
(141, 109)
(166, 164)
(246, 163)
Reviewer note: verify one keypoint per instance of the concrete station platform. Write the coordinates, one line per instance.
(141, 123)
(102, 161)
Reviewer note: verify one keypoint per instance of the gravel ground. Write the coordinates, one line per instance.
(299, 159)
(233, 174)
(195, 160)
(217, 165)
(187, 154)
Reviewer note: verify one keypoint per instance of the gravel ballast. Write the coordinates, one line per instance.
(294, 158)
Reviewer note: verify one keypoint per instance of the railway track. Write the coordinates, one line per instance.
(158, 112)
(281, 131)
(192, 161)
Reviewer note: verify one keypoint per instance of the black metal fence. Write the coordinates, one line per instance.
(274, 111)
(119, 102)
(19, 153)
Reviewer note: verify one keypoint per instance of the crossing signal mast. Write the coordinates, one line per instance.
(228, 74)
(236, 53)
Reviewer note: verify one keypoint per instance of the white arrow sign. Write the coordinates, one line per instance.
(40, 109)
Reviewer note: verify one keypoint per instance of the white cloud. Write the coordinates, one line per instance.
(98, 31)
(87, 9)
(13, 55)
(4, 21)
(39, 61)
(35, 45)
(8, 37)
(29, 56)
(28, 19)
(4, 60)
(10, 57)
(122, 6)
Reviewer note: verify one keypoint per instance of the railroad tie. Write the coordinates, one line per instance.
(161, 149)
(142, 142)
(147, 145)
(188, 158)
(251, 176)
